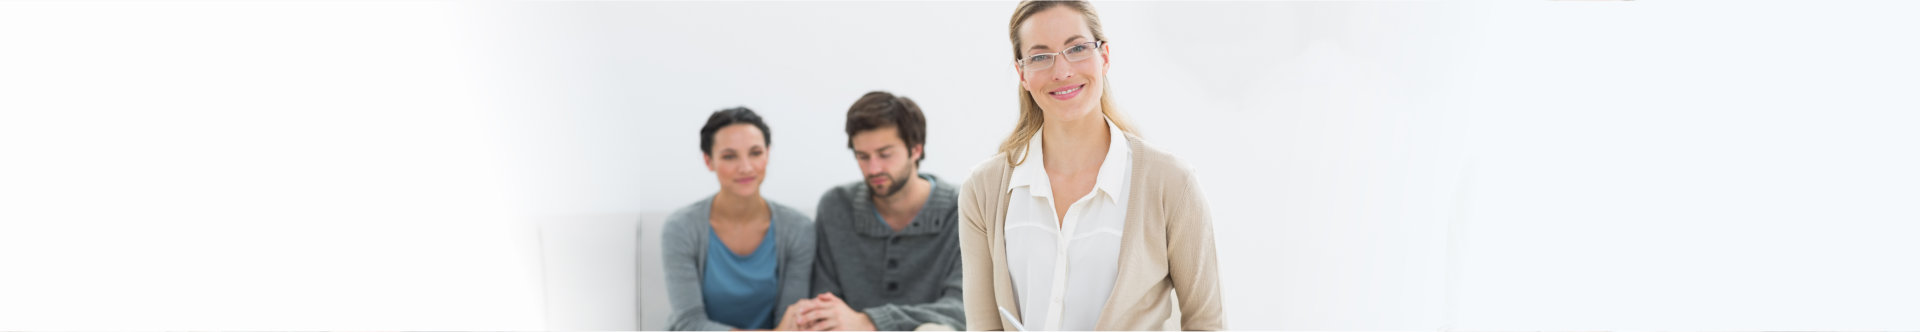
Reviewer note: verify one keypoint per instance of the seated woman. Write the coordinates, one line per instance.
(736, 261)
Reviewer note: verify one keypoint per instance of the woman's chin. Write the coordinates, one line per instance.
(743, 192)
(1070, 112)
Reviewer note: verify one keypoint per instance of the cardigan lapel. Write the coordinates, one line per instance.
(1130, 237)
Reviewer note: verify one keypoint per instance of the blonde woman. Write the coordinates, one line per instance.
(1077, 224)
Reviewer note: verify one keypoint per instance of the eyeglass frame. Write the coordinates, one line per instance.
(1022, 61)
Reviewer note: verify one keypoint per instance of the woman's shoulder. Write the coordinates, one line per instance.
(1153, 164)
(685, 229)
(790, 220)
(687, 217)
(786, 214)
(983, 174)
(793, 227)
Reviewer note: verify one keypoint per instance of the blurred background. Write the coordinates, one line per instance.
(1391, 165)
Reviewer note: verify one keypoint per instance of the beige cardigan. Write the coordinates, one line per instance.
(1167, 244)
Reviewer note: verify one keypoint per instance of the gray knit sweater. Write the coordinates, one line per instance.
(900, 279)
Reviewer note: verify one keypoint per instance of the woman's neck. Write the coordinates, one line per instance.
(1075, 145)
(738, 209)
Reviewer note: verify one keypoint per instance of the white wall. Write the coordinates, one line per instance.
(1692, 166)
(253, 166)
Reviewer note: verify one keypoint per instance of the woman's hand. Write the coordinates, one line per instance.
(791, 320)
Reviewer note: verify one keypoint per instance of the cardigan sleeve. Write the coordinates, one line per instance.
(796, 245)
(976, 257)
(1192, 263)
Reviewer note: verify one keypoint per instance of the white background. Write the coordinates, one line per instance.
(1371, 165)
(253, 166)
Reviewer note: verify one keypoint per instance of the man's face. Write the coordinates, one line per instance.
(886, 162)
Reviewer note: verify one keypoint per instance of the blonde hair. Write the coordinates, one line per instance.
(1015, 147)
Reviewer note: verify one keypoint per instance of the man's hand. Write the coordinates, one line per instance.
(828, 313)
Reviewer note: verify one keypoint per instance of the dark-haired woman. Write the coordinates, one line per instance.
(734, 260)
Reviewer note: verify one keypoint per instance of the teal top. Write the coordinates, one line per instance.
(742, 291)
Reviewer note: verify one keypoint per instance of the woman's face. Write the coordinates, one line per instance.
(739, 159)
(1067, 89)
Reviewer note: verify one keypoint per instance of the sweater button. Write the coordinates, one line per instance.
(892, 263)
(895, 240)
(893, 286)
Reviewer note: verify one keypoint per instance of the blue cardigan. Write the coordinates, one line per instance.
(683, 251)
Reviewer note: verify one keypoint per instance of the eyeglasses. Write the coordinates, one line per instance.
(1042, 61)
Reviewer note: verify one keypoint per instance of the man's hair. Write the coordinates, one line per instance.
(880, 109)
(728, 117)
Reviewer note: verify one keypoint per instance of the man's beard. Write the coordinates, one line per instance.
(893, 186)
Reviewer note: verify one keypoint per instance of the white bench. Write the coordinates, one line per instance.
(601, 272)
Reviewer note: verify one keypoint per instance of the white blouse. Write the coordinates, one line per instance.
(1063, 270)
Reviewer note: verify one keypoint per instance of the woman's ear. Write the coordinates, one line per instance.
(1105, 62)
(704, 158)
(1021, 73)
